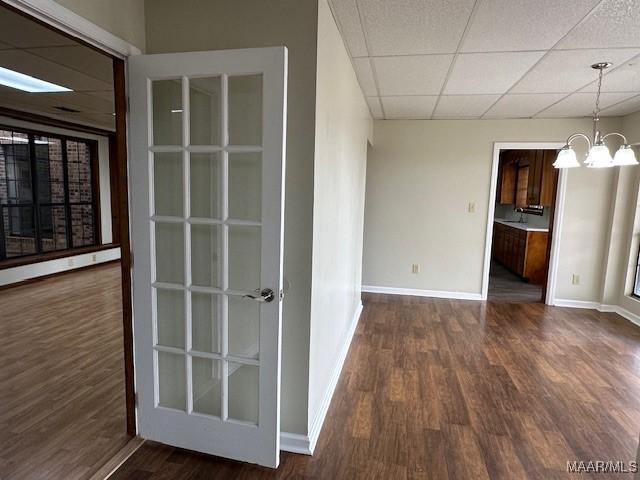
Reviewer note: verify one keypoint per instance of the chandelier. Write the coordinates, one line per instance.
(598, 155)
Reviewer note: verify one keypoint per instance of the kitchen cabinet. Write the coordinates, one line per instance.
(526, 177)
(521, 251)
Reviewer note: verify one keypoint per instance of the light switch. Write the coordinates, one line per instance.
(472, 207)
(575, 279)
(415, 268)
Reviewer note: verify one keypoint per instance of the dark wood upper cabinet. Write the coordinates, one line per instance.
(526, 177)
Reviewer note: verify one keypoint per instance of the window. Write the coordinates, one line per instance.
(636, 281)
(48, 193)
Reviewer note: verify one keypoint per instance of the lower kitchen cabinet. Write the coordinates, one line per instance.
(521, 251)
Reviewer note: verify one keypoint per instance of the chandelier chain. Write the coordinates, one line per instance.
(596, 111)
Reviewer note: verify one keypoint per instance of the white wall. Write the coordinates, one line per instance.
(422, 177)
(122, 18)
(25, 272)
(193, 25)
(343, 127)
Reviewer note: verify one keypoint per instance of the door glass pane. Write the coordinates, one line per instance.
(207, 374)
(170, 317)
(205, 185)
(167, 112)
(243, 392)
(169, 252)
(167, 184)
(205, 255)
(244, 327)
(205, 323)
(79, 172)
(245, 186)
(245, 110)
(204, 106)
(171, 381)
(244, 257)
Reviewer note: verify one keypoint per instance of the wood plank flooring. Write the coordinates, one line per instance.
(448, 389)
(505, 286)
(62, 408)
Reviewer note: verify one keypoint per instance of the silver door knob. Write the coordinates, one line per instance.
(265, 295)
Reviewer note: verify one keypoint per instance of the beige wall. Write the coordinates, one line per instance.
(123, 18)
(343, 125)
(193, 25)
(422, 177)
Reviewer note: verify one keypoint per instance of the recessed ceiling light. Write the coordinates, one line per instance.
(27, 83)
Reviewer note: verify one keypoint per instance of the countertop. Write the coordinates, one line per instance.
(520, 226)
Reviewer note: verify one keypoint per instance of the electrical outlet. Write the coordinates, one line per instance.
(94, 257)
(575, 279)
(472, 207)
(415, 268)
(70, 262)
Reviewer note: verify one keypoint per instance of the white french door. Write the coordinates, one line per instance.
(207, 188)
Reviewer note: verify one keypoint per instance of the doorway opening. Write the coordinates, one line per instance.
(523, 222)
(64, 253)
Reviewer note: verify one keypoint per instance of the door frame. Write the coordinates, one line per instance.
(558, 215)
(64, 21)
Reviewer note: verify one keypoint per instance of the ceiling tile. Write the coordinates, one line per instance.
(463, 106)
(508, 25)
(22, 32)
(375, 107)
(615, 23)
(625, 78)
(489, 72)
(411, 75)
(80, 58)
(569, 70)
(627, 107)
(408, 107)
(581, 104)
(25, 62)
(522, 105)
(414, 27)
(365, 76)
(346, 13)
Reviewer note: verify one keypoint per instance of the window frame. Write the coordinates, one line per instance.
(636, 278)
(40, 255)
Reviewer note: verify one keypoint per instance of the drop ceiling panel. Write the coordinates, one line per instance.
(411, 75)
(569, 70)
(22, 32)
(406, 107)
(523, 105)
(508, 25)
(81, 59)
(485, 73)
(76, 100)
(615, 23)
(365, 76)
(625, 78)
(624, 108)
(581, 105)
(25, 62)
(346, 12)
(375, 107)
(463, 106)
(414, 26)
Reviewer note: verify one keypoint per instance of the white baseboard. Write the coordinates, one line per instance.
(295, 443)
(601, 307)
(422, 293)
(318, 419)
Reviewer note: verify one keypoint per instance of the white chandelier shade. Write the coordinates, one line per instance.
(598, 155)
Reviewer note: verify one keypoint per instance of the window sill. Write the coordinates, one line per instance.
(31, 259)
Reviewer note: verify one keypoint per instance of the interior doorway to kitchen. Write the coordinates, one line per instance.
(522, 227)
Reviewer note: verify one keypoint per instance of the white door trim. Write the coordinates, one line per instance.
(557, 222)
(54, 14)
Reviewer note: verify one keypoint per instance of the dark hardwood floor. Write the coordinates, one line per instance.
(62, 408)
(448, 389)
(505, 286)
